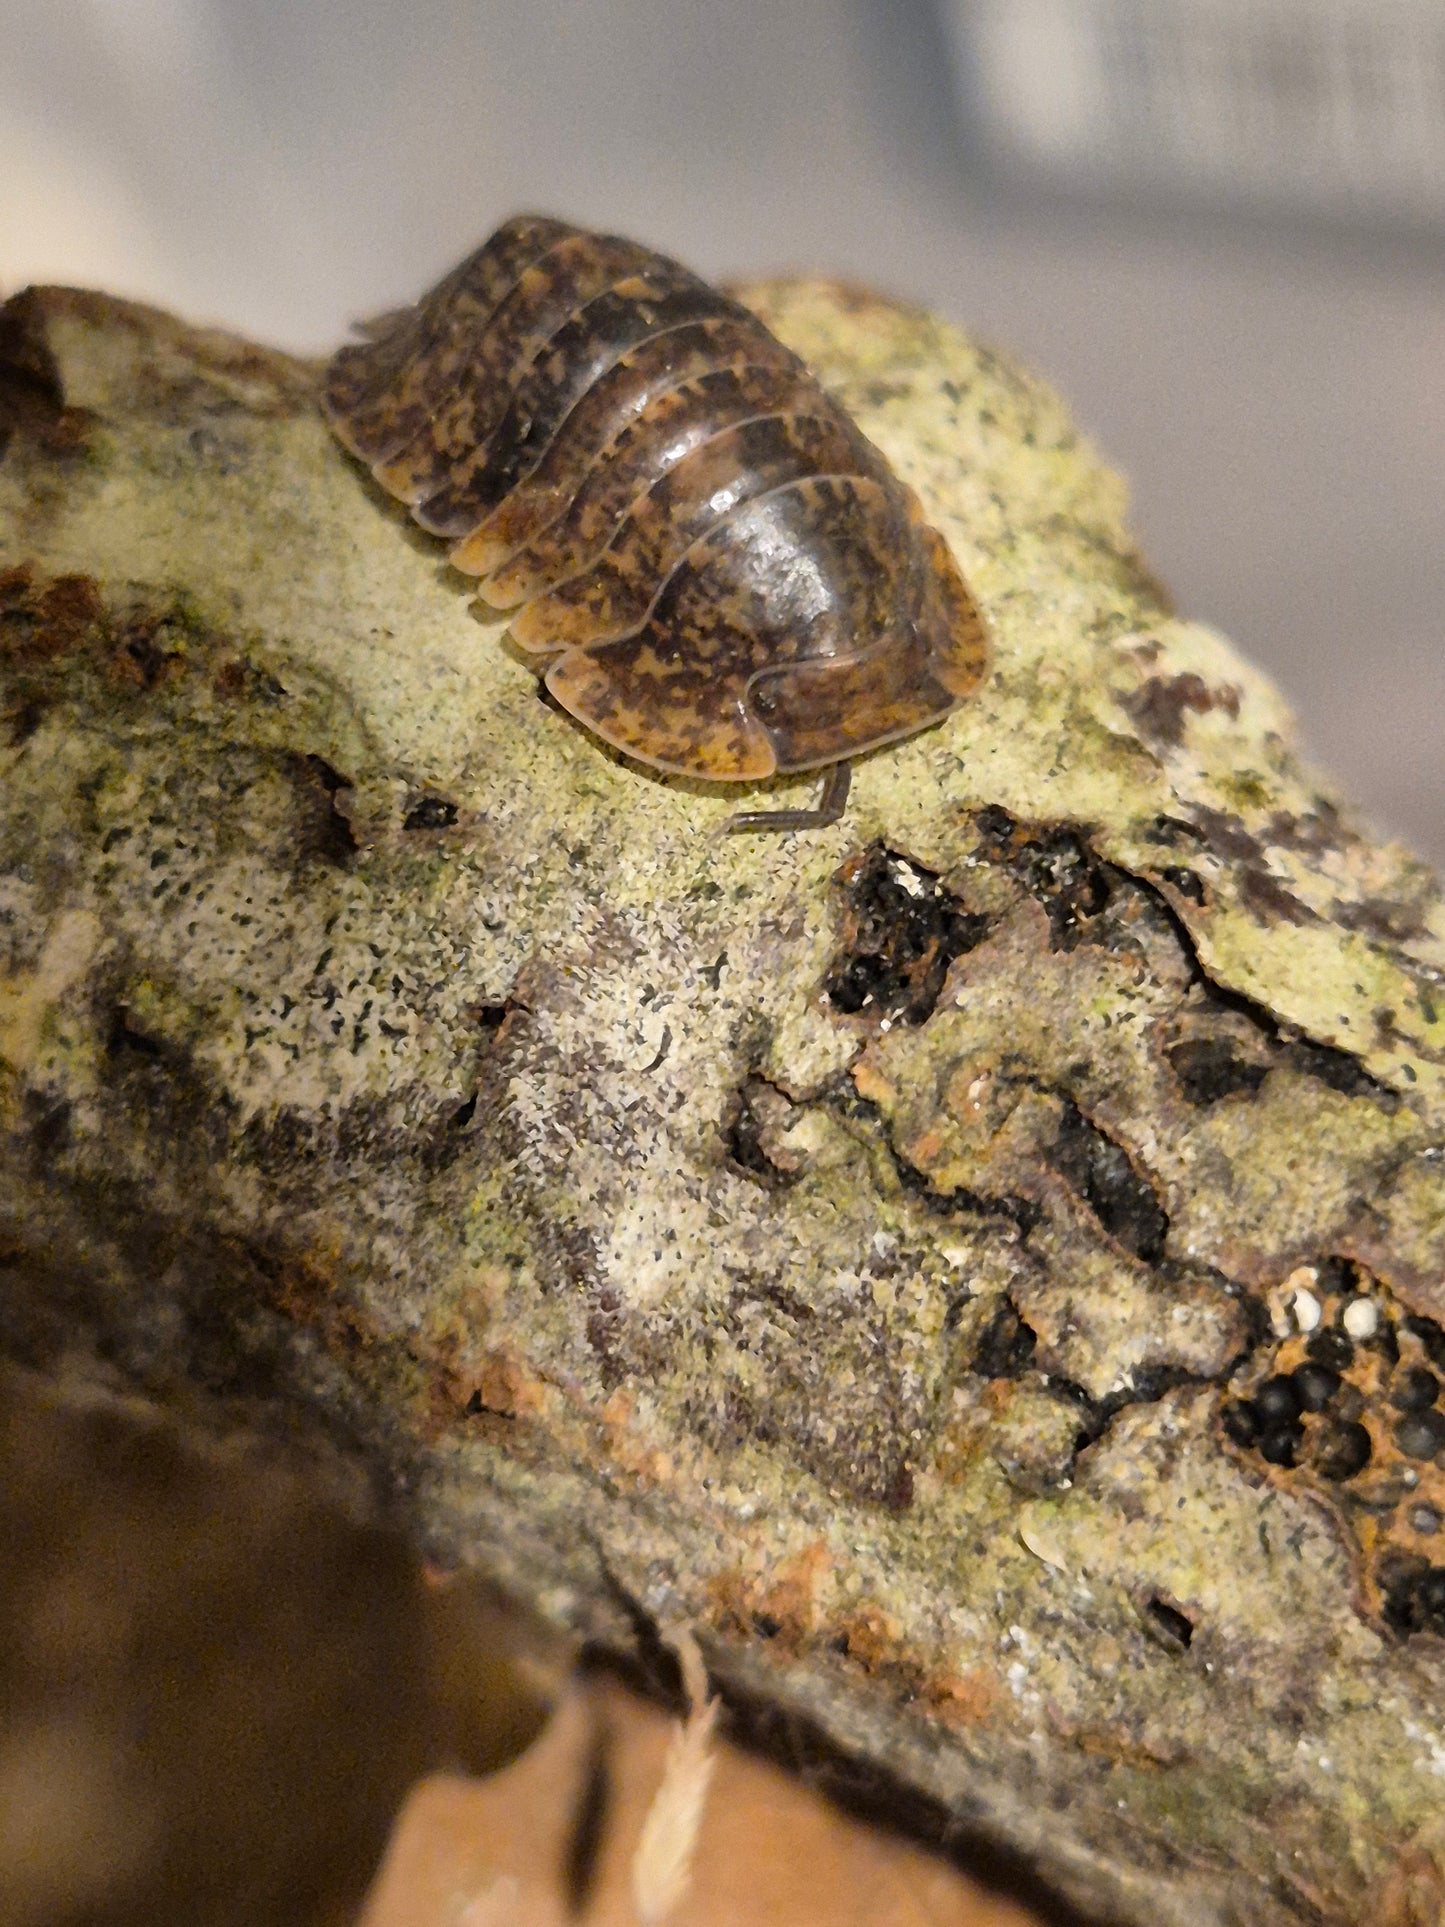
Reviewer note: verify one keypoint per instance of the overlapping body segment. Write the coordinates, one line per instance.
(716, 570)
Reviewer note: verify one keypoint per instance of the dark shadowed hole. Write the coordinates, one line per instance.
(757, 1105)
(1177, 1627)
(1006, 1345)
(332, 835)
(430, 813)
(125, 1038)
(1186, 883)
(1100, 1172)
(1209, 1068)
(1340, 1071)
(31, 396)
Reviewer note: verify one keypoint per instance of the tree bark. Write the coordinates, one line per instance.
(981, 1265)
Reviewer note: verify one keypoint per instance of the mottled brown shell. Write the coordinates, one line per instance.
(721, 573)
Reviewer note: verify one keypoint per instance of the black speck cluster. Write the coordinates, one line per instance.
(1361, 1406)
(1414, 1595)
(903, 930)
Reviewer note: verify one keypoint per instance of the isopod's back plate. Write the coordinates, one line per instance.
(681, 489)
(917, 1254)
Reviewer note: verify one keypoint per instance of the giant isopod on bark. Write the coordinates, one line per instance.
(714, 569)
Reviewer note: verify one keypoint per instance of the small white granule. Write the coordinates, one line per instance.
(1362, 1318)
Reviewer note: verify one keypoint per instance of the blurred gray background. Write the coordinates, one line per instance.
(1275, 390)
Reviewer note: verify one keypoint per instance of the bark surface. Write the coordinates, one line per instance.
(981, 1265)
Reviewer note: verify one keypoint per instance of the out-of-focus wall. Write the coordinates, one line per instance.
(1276, 395)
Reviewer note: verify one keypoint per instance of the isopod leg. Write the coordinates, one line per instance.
(828, 808)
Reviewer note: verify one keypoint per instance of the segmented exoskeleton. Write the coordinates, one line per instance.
(716, 571)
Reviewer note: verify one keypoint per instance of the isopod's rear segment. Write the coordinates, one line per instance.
(787, 638)
(719, 572)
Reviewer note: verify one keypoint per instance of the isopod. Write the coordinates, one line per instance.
(712, 567)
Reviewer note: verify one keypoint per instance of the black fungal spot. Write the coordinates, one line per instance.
(430, 813)
(1315, 1385)
(1100, 1172)
(1332, 1348)
(1420, 1435)
(1006, 1345)
(1057, 868)
(1431, 1336)
(493, 1016)
(1340, 1071)
(1414, 1595)
(1278, 1401)
(1174, 1627)
(1343, 1450)
(1210, 1068)
(902, 930)
(1241, 1422)
(1414, 1389)
(1280, 1444)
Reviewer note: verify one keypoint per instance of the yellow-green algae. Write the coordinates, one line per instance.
(350, 991)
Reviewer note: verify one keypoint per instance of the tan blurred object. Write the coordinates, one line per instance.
(1413, 1893)
(213, 1673)
(770, 1853)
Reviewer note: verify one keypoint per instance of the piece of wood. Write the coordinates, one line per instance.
(766, 1851)
(889, 1252)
